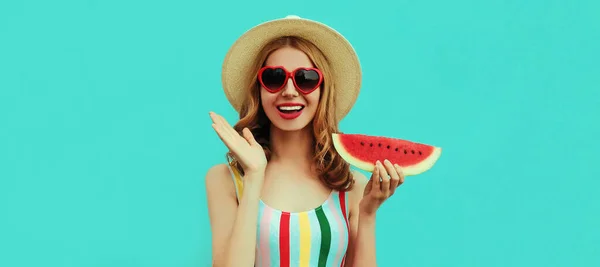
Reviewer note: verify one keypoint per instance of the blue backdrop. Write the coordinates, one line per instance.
(105, 136)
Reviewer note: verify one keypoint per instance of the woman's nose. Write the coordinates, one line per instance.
(290, 89)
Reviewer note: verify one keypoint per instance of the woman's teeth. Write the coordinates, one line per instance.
(290, 108)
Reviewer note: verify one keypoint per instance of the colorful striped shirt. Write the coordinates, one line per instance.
(314, 238)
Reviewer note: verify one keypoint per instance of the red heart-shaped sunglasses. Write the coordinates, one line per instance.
(274, 78)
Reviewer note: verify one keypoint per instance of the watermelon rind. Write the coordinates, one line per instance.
(410, 170)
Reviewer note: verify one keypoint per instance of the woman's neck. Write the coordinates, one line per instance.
(292, 147)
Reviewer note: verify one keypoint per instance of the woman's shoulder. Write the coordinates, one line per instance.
(218, 178)
(355, 194)
(218, 171)
(360, 181)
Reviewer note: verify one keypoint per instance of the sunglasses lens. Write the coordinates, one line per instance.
(273, 79)
(307, 79)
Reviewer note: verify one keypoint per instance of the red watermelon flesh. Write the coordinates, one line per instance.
(363, 151)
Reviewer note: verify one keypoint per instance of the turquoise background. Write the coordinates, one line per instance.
(105, 136)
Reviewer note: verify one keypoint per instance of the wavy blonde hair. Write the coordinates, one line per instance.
(333, 171)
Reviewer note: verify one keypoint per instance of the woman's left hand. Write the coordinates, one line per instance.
(382, 185)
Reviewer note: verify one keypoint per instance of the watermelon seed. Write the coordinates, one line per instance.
(379, 144)
(362, 143)
(404, 151)
(420, 153)
(396, 149)
(413, 151)
(388, 147)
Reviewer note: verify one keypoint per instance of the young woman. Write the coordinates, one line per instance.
(286, 198)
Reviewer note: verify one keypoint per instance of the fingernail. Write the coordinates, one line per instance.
(387, 161)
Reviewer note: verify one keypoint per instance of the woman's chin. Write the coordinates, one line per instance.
(294, 125)
(291, 122)
(287, 126)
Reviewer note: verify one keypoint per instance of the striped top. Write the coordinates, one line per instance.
(314, 238)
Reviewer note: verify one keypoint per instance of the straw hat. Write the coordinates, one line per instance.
(344, 63)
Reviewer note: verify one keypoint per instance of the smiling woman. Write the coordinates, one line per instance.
(275, 78)
(286, 197)
(287, 110)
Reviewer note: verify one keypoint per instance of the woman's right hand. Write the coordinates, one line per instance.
(244, 147)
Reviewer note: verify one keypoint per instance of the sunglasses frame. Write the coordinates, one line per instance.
(288, 75)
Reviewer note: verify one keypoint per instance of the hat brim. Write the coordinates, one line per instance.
(344, 63)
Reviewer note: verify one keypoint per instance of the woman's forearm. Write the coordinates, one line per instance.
(365, 242)
(242, 243)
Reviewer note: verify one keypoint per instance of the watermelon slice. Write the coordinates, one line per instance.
(363, 151)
